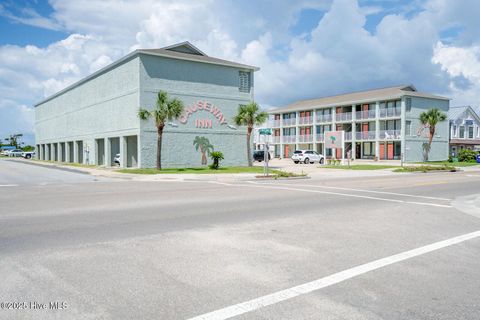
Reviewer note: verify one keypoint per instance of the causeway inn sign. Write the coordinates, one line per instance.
(207, 107)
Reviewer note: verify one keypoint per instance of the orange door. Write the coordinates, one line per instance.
(365, 127)
(382, 151)
(390, 151)
(339, 127)
(285, 153)
(339, 153)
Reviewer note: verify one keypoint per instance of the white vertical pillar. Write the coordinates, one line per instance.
(297, 129)
(377, 130)
(59, 151)
(75, 151)
(123, 152)
(314, 130)
(108, 152)
(67, 152)
(403, 122)
(354, 133)
(281, 136)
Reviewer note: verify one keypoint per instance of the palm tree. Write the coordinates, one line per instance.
(429, 119)
(205, 147)
(250, 115)
(165, 110)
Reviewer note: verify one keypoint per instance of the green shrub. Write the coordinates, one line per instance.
(467, 155)
(216, 157)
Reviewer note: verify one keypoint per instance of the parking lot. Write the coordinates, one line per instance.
(358, 247)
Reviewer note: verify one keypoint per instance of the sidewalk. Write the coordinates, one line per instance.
(112, 173)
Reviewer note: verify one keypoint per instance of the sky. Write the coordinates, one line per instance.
(305, 48)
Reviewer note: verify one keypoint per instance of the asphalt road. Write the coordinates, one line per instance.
(116, 249)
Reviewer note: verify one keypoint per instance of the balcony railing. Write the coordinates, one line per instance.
(390, 112)
(365, 135)
(289, 122)
(289, 139)
(320, 137)
(275, 123)
(390, 135)
(367, 114)
(275, 139)
(305, 120)
(344, 116)
(324, 118)
(305, 138)
(348, 136)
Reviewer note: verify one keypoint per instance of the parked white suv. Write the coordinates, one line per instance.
(307, 156)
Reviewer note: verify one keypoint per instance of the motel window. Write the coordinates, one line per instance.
(470, 132)
(368, 149)
(408, 128)
(244, 81)
(454, 131)
(478, 132)
(462, 132)
(408, 104)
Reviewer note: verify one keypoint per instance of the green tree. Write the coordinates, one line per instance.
(164, 110)
(429, 119)
(216, 157)
(13, 139)
(250, 115)
(205, 147)
(467, 155)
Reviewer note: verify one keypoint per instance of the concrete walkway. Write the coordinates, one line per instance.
(314, 171)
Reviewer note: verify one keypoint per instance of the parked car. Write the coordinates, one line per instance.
(259, 155)
(28, 154)
(307, 156)
(15, 153)
(116, 160)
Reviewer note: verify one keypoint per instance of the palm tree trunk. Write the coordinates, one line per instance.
(430, 139)
(249, 151)
(159, 147)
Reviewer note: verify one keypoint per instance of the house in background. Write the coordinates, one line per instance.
(464, 129)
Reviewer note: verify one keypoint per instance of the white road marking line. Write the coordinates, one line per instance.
(473, 175)
(8, 185)
(361, 190)
(431, 204)
(272, 186)
(279, 296)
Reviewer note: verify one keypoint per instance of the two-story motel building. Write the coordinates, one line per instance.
(381, 123)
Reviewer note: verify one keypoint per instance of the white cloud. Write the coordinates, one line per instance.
(30, 17)
(338, 55)
(464, 63)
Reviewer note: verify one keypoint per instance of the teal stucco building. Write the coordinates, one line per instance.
(380, 124)
(96, 118)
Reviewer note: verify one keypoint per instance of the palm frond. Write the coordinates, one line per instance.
(143, 114)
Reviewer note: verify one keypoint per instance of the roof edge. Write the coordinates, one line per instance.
(88, 78)
(246, 66)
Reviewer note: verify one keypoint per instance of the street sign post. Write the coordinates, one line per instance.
(265, 132)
